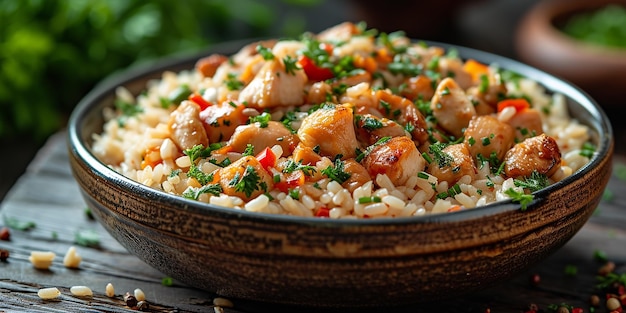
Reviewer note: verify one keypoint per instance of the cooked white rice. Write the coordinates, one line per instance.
(127, 143)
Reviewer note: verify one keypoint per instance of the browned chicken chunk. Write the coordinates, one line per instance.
(452, 163)
(331, 128)
(486, 135)
(451, 107)
(398, 158)
(540, 153)
(185, 126)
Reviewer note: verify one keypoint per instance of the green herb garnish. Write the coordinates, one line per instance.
(337, 173)
(520, 197)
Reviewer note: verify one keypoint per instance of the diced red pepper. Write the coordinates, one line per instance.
(294, 180)
(314, 72)
(519, 104)
(577, 310)
(197, 99)
(267, 158)
(323, 212)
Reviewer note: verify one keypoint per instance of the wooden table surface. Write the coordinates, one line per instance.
(48, 196)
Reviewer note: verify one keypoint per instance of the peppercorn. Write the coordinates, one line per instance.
(130, 300)
(5, 234)
(142, 305)
(606, 269)
(4, 255)
(535, 279)
(613, 304)
(594, 301)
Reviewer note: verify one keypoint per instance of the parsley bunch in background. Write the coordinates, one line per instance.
(52, 52)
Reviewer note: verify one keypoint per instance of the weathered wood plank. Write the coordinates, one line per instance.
(48, 196)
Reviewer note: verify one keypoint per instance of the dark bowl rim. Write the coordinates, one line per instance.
(552, 84)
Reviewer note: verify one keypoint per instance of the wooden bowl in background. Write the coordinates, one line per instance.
(598, 70)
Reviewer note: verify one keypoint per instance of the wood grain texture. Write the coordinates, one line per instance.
(49, 196)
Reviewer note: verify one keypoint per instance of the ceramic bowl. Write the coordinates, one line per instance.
(600, 71)
(335, 263)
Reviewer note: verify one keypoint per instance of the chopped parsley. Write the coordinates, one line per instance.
(248, 182)
(232, 83)
(337, 173)
(294, 194)
(199, 151)
(372, 199)
(262, 119)
(249, 151)
(587, 150)
(87, 238)
(289, 117)
(443, 159)
(362, 154)
(127, 109)
(179, 94)
(519, 197)
(370, 123)
(265, 52)
(484, 83)
(291, 65)
(536, 181)
(445, 91)
(174, 173)
(292, 166)
(15, 223)
(471, 141)
(193, 193)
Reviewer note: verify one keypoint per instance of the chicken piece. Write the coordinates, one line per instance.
(207, 66)
(451, 163)
(490, 89)
(540, 153)
(331, 128)
(220, 120)
(526, 123)
(305, 154)
(285, 48)
(451, 107)
(273, 86)
(481, 107)
(319, 93)
(369, 128)
(453, 67)
(398, 158)
(245, 178)
(404, 111)
(418, 87)
(186, 128)
(250, 50)
(486, 135)
(352, 80)
(275, 133)
(339, 33)
(358, 175)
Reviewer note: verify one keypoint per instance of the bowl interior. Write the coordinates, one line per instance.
(87, 120)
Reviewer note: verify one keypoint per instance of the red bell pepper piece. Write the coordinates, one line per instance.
(519, 104)
(323, 212)
(197, 99)
(314, 72)
(267, 158)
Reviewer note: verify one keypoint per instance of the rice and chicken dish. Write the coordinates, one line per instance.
(346, 123)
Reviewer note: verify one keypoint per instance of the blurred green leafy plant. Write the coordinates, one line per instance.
(53, 51)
